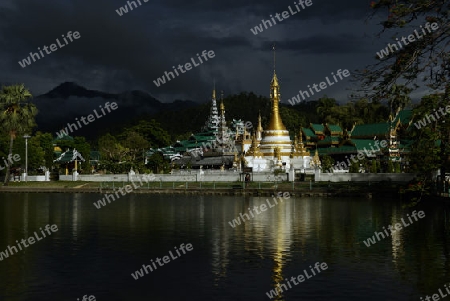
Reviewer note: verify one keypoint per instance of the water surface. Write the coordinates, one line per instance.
(95, 251)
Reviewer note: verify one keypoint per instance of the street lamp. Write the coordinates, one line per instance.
(26, 156)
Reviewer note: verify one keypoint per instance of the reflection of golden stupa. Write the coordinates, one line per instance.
(276, 135)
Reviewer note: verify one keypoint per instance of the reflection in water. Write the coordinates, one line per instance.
(274, 245)
(25, 216)
(132, 211)
(76, 200)
(283, 229)
(396, 239)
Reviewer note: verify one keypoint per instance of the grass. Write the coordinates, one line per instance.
(347, 186)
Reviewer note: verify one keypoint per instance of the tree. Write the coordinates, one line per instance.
(110, 149)
(327, 163)
(373, 168)
(46, 143)
(151, 131)
(136, 145)
(354, 167)
(325, 106)
(426, 58)
(81, 145)
(36, 154)
(157, 163)
(17, 114)
(398, 98)
(292, 119)
(431, 147)
(390, 166)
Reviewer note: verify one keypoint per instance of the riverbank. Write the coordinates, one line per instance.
(302, 189)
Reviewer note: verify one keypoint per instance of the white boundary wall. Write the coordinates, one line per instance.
(364, 177)
(227, 176)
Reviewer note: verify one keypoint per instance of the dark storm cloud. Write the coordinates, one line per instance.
(324, 44)
(121, 53)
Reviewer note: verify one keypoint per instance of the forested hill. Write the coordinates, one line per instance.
(245, 106)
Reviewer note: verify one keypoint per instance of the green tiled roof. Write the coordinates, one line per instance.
(201, 138)
(370, 130)
(329, 140)
(94, 155)
(345, 149)
(317, 128)
(308, 133)
(64, 138)
(404, 116)
(334, 128)
(69, 156)
(182, 145)
(206, 133)
(362, 144)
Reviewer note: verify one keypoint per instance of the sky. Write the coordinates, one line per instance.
(117, 53)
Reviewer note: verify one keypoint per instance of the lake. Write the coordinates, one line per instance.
(191, 252)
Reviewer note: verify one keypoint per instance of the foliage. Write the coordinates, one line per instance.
(373, 167)
(81, 145)
(146, 134)
(354, 167)
(327, 163)
(324, 108)
(426, 151)
(425, 59)
(390, 166)
(46, 142)
(292, 119)
(17, 114)
(158, 164)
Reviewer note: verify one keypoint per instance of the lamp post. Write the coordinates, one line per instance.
(26, 156)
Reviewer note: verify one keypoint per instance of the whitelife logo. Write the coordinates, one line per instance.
(145, 268)
(27, 61)
(422, 122)
(187, 66)
(16, 158)
(436, 296)
(397, 226)
(237, 221)
(90, 118)
(282, 287)
(128, 189)
(11, 250)
(322, 85)
(124, 9)
(391, 48)
(85, 298)
(359, 156)
(280, 17)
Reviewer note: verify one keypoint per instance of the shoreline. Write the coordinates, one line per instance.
(317, 192)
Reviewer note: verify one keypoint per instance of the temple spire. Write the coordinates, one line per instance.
(275, 120)
(274, 58)
(259, 129)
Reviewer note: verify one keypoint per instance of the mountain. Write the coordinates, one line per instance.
(68, 89)
(69, 101)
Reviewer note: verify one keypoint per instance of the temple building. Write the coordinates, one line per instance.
(272, 148)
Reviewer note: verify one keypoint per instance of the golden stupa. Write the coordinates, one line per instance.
(275, 135)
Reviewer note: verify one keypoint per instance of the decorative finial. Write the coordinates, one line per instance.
(274, 57)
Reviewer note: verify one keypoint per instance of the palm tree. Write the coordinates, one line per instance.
(16, 114)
